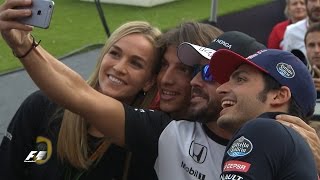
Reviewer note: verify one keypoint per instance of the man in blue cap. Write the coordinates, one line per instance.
(254, 90)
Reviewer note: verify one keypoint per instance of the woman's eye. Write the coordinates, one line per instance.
(163, 65)
(114, 54)
(186, 70)
(137, 64)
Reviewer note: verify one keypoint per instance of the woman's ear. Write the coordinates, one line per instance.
(281, 96)
(149, 84)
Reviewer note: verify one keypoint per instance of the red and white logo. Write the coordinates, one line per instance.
(238, 166)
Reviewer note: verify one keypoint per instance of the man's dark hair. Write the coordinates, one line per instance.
(312, 28)
(193, 32)
(271, 84)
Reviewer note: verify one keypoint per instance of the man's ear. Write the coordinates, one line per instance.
(280, 96)
(149, 84)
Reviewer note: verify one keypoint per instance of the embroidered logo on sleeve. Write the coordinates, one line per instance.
(240, 147)
(238, 166)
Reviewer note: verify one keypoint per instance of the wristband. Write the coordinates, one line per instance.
(33, 45)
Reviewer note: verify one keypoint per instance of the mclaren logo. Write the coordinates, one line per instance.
(198, 152)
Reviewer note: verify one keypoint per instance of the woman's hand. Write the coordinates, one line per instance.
(306, 131)
(13, 32)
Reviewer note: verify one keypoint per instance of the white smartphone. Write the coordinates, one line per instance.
(41, 13)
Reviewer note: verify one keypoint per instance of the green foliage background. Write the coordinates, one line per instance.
(76, 23)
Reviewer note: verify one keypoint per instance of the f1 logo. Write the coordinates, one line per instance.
(35, 156)
(198, 152)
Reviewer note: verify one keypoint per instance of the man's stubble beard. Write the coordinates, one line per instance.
(206, 114)
(311, 18)
(232, 123)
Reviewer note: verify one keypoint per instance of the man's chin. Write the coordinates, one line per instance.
(196, 109)
(198, 119)
(229, 122)
(197, 113)
(198, 103)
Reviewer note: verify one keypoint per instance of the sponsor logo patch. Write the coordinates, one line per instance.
(193, 172)
(240, 147)
(285, 70)
(256, 54)
(238, 166)
(223, 43)
(206, 52)
(198, 152)
(230, 177)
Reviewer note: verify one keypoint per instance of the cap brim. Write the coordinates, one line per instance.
(191, 54)
(224, 62)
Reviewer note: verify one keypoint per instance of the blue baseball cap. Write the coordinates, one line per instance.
(283, 66)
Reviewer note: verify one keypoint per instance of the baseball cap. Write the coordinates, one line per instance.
(283, 66)
(241, 43)
(299, 54)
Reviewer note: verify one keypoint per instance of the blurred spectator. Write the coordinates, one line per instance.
(295, 33)
(316, 126)
(312, 43)
(295, 10)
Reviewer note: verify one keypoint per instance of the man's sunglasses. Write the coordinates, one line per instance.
(205, 72)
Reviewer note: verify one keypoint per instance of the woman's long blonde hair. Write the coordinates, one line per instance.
(72, 146)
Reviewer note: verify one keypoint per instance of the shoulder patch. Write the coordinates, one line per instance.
(240, 147)
(239, 166)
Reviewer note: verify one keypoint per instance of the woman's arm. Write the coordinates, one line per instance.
(59, 82)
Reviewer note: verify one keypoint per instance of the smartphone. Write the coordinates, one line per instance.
(41, 13)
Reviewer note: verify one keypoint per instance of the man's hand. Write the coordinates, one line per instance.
(315, 125)
(317, 79)
(306, 131)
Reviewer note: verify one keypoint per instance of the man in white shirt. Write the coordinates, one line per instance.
(294, 34)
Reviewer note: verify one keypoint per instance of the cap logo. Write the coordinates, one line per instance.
(256, 54)
(285, 70)
(222, 42)
(206, 51)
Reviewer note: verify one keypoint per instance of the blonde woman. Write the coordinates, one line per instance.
(136, 129)
(126, 70)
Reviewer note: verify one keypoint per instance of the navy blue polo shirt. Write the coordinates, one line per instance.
(265, 149)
